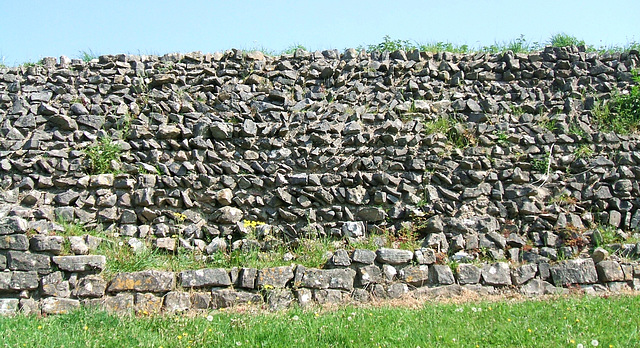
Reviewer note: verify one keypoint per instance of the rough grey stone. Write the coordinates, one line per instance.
(56, 305)
(13, 224)
(329, 296)
(370, 274)
(496, 274)
(332, 278)
(468, 274)
(205, 277)
(276, 277)
(177, 301)
(394, 256)
(609, 271)
(341, 258)
(8, 306)
(119, 303)
(81, 263)
(52, 244)
(415, 275)
(279, 299)
(92, 286)
(146, 281)
(229, 298)
(441, 275)
(578, 271)
(22, 261)
(363, 256)
(14, 242)
(524, 273)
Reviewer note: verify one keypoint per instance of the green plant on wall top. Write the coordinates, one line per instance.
(564, 40)
(103, 156)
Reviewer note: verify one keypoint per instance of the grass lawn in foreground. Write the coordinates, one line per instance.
(560, 322)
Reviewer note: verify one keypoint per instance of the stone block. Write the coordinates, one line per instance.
(415, 275)
(229, 298)
(609, 271)
(394, 256)
(342, 278)
(144, 281)
(370, 274)
(52, 244)
(54, 285)
(147, 303)
(90, 286)
(13, 225)
(119, 303)
(200, 300)
(524, 273)
(276, 277)
(24, 261)
(14, 242)
(279, 299)
(364, 256)
(578, 271)
(205, 278)
(57, 305)
(247, 278)
(81, 263)
(329, 296)
(467, 273)
(496, 274)
(9, 306)
(177, 301)
(441, 275)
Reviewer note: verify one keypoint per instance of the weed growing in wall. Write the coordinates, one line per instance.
(622, 113)
(103, 156)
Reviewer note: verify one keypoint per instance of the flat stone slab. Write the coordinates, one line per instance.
(394, 256)
(80, 263)
(205, 277)
(8, 306)
(229, 298)
(578, 271)
(276, 277)
(340, 278)
(145, 281)
(57, 305)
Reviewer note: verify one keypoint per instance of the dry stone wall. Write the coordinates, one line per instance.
(316, 144)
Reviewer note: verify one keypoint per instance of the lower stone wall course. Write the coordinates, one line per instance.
(275, 288)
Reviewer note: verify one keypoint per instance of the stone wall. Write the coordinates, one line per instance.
(36, 281)
(314, 144)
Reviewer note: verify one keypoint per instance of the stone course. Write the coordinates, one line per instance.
(323, 144)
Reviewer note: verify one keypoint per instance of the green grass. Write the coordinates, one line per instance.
(563, 322)
(101, 155)
(87, 56)
(564, 40)
(455, 132)
(622, 112)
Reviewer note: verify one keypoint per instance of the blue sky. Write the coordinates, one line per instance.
(32, 29)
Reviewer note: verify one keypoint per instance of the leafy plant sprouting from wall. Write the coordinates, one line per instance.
(103, 156)
(622, 113)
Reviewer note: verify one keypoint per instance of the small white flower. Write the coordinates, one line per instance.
(295, 318)
(210, 317)
(238, 343)
(120, 243)
(595, 343)
(579, 345)
(459, 309)
(116, 235)
(349, 318)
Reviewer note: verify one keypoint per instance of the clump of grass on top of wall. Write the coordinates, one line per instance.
(564, 40)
